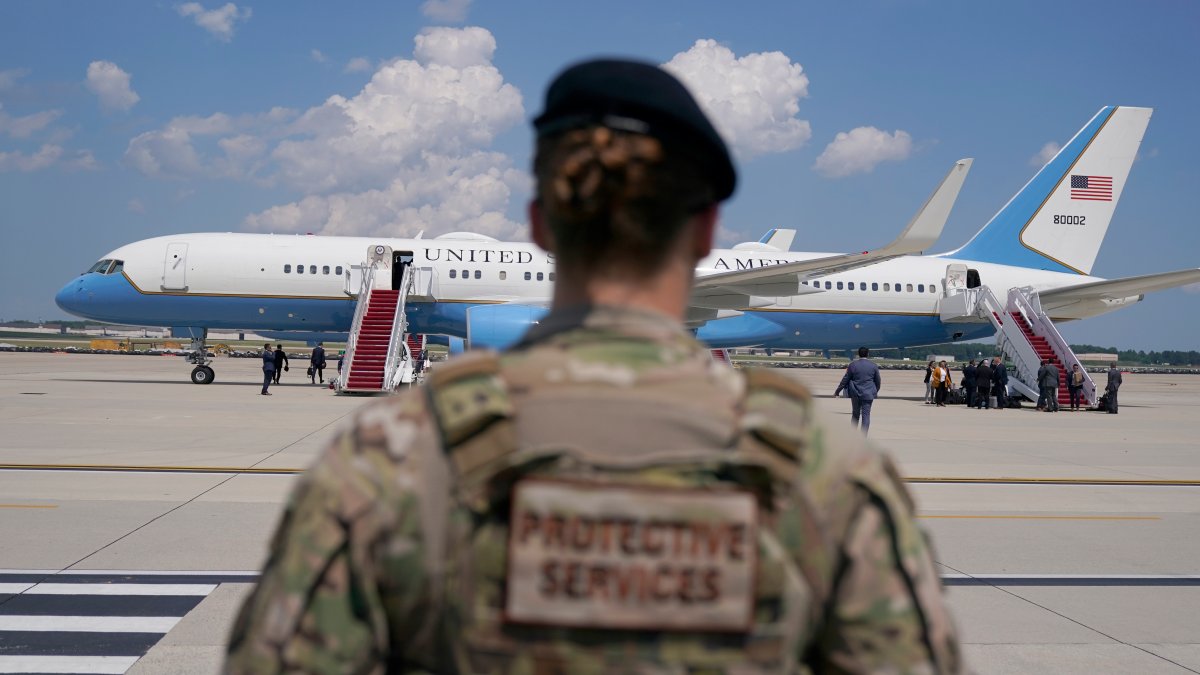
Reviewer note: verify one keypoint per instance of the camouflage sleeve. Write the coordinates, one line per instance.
(324, 602)
(887, 612)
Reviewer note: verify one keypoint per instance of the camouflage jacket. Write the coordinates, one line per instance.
(400, 552)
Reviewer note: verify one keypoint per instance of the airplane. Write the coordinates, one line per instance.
(481, 292)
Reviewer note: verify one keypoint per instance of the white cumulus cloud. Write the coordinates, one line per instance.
(436, 195)
(1047, 153)
(754, 100)
(111, 85)
(357, 64)
(446, 11)
(25, 126)
(46, 156)
(219, 22)
(861, 150)
(318, 56)
(410, 151)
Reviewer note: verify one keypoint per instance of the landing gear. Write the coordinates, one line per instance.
(202, 375)
(198, 356)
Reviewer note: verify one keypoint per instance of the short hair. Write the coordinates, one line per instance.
(863, 351)
(268, 345)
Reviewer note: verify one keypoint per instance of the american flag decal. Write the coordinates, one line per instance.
(1091, 188)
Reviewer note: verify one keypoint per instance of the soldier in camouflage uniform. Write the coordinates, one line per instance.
(604, 497)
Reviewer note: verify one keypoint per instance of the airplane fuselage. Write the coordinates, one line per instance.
(298, 283)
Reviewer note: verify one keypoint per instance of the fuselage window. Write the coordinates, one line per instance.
(325, 269)
(478, 274)
(933, 288)
(299, 269)
(898, 289)
(908, 287)
(552, 276)
(503, 275)
(466, 274)
(287, 269)
(839, 285)
(850, 285)
(527, 276)
(874, 285)
(312, 269)
(338, 270)
(828, 285)
(453, 274)
(539, 276)
(920, 288)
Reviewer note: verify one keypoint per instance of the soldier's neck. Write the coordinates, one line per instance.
(666, 293)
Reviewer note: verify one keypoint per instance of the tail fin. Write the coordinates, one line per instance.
(1059, 219)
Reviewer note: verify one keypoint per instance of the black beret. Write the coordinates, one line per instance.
(638, 97)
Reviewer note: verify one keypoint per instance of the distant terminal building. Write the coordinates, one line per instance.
(936, 357)
(1097, 358)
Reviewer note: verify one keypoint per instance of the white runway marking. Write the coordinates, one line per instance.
(121, 589)
(89, 624)
(66, 664)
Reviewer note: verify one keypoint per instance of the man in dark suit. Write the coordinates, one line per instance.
(968, 382)
(862, 382)
(281, 362)
(1000, 382)
(1111, 387)
(1047, 377)
(268, 367)
(316, 364)
(983, 385)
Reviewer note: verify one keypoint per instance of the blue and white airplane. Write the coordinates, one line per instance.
(484, 292)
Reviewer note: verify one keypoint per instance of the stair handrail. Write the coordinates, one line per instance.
(1011, 342)
(396, 343)
(1028, 300)
(360, 311)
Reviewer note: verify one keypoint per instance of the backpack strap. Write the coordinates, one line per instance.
(776, 430)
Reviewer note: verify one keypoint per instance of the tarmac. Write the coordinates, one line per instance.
(136, 507)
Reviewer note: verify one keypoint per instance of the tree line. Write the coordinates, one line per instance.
(963, 351)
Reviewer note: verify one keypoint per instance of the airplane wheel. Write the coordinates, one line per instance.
(212, 374)
(202, 375)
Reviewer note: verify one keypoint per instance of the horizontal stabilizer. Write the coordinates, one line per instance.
(1117, 289)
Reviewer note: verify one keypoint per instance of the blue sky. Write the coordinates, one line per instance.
(121, 121)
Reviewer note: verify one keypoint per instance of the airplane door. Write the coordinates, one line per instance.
(175, 268)
(956, 279)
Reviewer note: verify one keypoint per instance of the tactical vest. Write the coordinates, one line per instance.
(557, 560)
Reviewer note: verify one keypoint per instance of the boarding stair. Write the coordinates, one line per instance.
(377, 353)
(1024, 334)
(721, 356)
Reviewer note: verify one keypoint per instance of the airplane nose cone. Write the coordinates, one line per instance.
(72, 297)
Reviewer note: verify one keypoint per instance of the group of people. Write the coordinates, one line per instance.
(980, 383)
(275, 363)
(1048, 381)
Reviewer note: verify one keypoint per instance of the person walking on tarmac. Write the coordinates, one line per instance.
(268, 368)
(281, 361)
(465, 526)
(862, 383)
(316, 364)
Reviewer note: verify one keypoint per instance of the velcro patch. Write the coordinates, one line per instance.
(585, 555)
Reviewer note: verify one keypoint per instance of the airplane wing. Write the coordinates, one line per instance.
(1117, 289)
(776, 280)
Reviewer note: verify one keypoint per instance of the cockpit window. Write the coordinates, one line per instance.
(118, 267)
(101, 267)
(107, 266)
